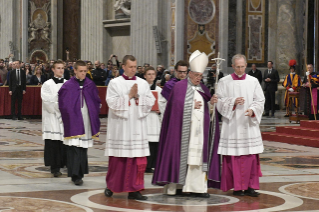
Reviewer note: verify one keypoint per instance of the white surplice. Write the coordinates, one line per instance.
(240, 134)
(154, 120)
(127, 126)
(52, 126)
(86, 141)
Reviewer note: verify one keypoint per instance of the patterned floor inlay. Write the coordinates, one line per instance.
(292, 162)
(270, 149)
(309, 190)
(28, 132)
(40, 171)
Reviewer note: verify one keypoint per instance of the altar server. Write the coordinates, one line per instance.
(52, 127)
(154, 119)
(79, 104)
(241, 103)
(130, 100)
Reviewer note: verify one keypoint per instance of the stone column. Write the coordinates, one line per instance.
(239, 27)
(286, 35)
(144, 15)
(272, 31)
(6, 27)
(179, 30)
(223, 33)
(24, 33)
(92, 30)
(54, 30)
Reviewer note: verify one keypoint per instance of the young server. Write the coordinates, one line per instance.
(52, 127)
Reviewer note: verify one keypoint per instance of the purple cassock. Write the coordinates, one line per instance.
(168, 87)
(168, 163)
(70, 100)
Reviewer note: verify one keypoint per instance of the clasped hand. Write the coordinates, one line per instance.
(133, 92)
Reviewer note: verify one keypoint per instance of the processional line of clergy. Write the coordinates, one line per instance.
(173, 132)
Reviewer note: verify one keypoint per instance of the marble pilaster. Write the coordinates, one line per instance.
(286, 35)
(223, 32)
(54, 29)
(6, 29)
(92, 30)
(272, 31)
(24, 30)
(179, 29)
(239, 27)
(144, 15)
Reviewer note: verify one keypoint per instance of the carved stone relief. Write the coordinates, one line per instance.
(39, 27)
(122, 9)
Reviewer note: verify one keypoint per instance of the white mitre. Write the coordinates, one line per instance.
(198, 61)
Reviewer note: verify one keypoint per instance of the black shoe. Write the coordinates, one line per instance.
(78, 182)
(136, 195)
(251, 192)
(266, 114)
(149, 170)
(238, 193)
(57, 174)
(108, 192)
(14, 118)
(179, 192)
(20, 118)
(201, 195)
(287, 115)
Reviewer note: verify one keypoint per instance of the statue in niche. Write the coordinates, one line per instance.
(122, 9)
(46, 33)
(39, 22)
(33, 32)
(39, 26)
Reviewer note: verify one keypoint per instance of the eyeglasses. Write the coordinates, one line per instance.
(182, 72)
(198, 76)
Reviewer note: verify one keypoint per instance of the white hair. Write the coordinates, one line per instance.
(238, 56)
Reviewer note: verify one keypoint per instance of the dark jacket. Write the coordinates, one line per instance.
(13, 80)
(34, 80)
(257, 75)
(273, 84)
(99, 76)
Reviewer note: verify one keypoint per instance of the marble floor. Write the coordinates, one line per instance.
(290, 179)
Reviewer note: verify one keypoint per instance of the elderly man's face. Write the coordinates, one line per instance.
(181, 72)
(310, 68)
(195, 77)
(240, 66)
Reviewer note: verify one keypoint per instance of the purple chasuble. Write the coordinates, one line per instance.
(70, 98)
(168, 159)
(168, 87)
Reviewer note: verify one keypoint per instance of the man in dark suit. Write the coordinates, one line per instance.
(254, 72)
(17, 89)
(271, 79)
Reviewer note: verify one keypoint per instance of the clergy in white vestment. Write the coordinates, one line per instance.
(52, 126)
(241, 103)
(185, 163)
(79, 104)
(154, 119)
(130, 100)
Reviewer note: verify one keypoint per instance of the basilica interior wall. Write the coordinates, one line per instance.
(7, 26)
